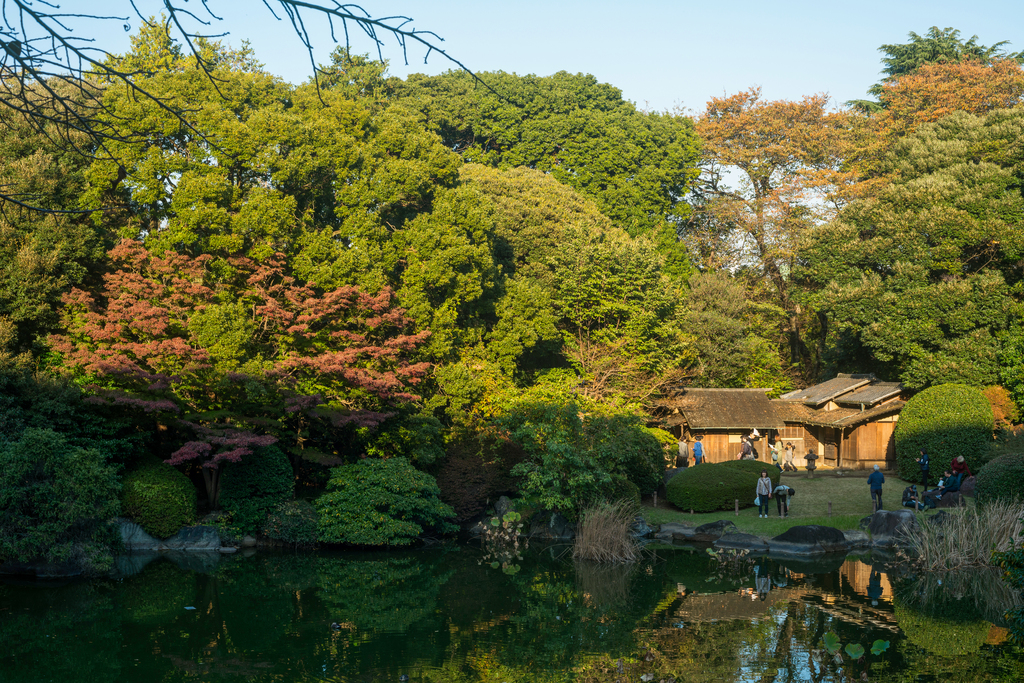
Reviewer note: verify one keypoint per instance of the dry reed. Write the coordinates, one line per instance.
(604, 534)
(967, 538)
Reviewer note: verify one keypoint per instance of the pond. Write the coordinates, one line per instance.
(447, 615)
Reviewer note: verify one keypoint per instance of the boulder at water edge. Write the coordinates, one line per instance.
(551, 526)
(712, 531)
(741, 542)
(812, 539)
(887, 527)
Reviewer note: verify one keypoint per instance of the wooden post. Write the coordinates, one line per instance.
(655, 499)
(830, 509)
(737, 507)
(691, 511)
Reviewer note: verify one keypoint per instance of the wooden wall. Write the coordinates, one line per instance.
(723, 446)
(868, 445)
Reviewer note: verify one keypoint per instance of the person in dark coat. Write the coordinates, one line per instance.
(959, 466)
(923, 462)
(875, 481)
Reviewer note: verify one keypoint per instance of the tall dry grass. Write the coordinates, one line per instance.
(603, 533)
(968, 537)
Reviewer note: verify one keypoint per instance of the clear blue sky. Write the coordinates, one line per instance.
(660, 53)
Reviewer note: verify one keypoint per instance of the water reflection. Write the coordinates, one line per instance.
(440, 615)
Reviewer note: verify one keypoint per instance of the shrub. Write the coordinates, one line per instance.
(630, 449)
(711, 487)
(947, 421)
(159, 498)
(622, 489)
(249, 489)
(55, 499)
(380, 502)
(1001, 480)
(292, 522)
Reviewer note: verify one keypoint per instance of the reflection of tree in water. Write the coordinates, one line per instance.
(76, 636)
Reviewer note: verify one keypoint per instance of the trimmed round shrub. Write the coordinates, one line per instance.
(947, 421)
(707, 488)
(292, 522)
(380, 502)
(1001, 480)
(622, 488)
(249, 489)
(159, 498)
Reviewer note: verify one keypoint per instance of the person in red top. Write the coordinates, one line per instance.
(960, 467)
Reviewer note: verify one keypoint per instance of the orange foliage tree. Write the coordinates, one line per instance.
(937, 90)
(771, 170)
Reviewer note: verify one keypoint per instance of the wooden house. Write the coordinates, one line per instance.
(847, 421)
(721, 417)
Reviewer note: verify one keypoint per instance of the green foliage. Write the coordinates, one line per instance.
(159, 498)
(53, 496)
(713, 487)
(292, 522)
(250, 488)
(919, 283)
(1002, 479)
(380, 502)
(635, 166)
(622, 488)
(419, 438)
(947, 421)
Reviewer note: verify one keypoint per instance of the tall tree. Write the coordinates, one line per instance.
(923, 281)
(635, 166)
(937, 46)
(789, 164)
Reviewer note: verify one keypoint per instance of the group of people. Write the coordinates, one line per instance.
(765, 492)
(952, 479)
(783, 460)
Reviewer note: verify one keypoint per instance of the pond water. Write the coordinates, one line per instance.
(447, 615)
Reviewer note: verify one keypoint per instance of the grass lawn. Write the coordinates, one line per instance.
(847, 491)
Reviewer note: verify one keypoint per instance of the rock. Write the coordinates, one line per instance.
(135, 537)
(130, 565)
(640, 529)
(813, 539)
(673, 531)
(857, 539)
(865, 522)
(887, 527)
(227, 550)
(967, 488)
(502, 506)
(669, 473)
(953, 499)
(939, 518)
(551, 526)
(477, 528)
(738, 541)
(248, 542)
(194, 538)
(712, 531)
(200, 563)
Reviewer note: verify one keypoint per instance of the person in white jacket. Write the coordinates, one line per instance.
(764, 494)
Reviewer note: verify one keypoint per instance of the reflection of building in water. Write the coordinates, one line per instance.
(858, 576)
(696, 608)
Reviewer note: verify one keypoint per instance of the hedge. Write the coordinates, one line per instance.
(159, 498)
(711, 487)
(947, 421)
(251, 488)
(1001, 480)
(622, 488)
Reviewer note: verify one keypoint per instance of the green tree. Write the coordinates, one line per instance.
(636, 166)
(922, 281)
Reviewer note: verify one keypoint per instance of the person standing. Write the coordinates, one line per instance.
(788, 466)
(746, 450)
(923, 462)
(875, 481)
(683, 460)
(698, 451)
(764, 494)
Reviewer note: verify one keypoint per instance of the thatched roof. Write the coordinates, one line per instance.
(742, 409)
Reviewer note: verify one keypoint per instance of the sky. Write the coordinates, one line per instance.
(662, 54)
